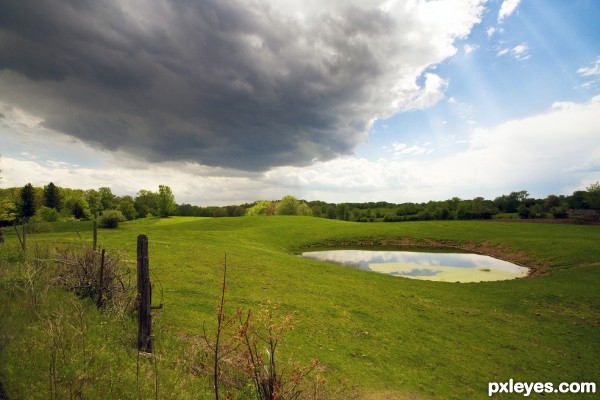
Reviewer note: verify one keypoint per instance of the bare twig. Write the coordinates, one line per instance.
(218, 335)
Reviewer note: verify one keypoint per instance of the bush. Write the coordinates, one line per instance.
(524, 212)
(47, 214)
(111, 219)
(78, 271)
(559, 212)
(262, 207)
(288, 205)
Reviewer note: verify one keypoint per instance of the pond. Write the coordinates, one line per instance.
(434, 266)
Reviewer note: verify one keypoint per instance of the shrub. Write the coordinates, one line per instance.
(79, 271)
(111, 219)
(262, 207)
(559, 212)
(524, 211)
(47, 214)
(288, 205)
(304, 209)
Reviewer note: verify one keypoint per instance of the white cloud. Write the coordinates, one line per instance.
(507, 8)
(519, 52)
(592, 70)
(469, 48)
(540, 151)
(432, 92)
(400, 149)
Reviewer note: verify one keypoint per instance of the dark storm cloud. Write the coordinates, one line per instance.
(224, 83)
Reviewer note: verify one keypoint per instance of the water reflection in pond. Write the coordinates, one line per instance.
(449, 267)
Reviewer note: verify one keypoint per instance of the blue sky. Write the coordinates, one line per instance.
(237, 101)
(489, 82)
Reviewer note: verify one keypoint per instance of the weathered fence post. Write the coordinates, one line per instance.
(101, 284)
(95, 236)
(22, 240)
(144, 296)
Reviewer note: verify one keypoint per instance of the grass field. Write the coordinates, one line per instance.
(377, 336)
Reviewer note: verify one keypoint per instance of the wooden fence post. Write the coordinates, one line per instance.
(22, 240)
(95, 236)
(101, 284)
(144, 296)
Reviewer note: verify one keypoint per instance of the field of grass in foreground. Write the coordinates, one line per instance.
(377, 336)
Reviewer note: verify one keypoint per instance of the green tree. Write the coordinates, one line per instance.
(8, 211)
(304, 209)
(577, 200)
(511, 203)
(52, 198)
(524, 211)
(46, 214)
(27, 206)
(551, 202)
(146, 203)
(288, 205)
(343, 212)
(560, 211)
(537, 211)
(166, 201)
(77, 206)
(520, 196)
(592, 196)
(107, 199)
(93, 200)
(260, 208)
(127, 207)
(483, 209)
(464, 210)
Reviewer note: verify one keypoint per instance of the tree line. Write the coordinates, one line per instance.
(52, 203)
(583, 206)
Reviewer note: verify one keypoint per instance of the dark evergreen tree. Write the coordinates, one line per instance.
(52, 196)
(27, 208)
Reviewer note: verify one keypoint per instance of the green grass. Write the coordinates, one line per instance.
(378, 336)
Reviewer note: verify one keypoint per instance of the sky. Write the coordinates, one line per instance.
(235, 101)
